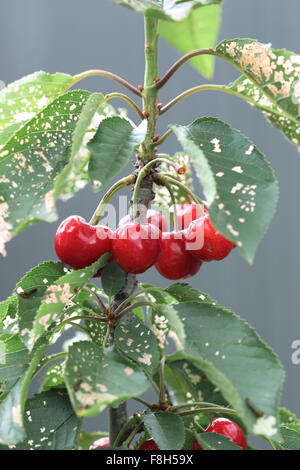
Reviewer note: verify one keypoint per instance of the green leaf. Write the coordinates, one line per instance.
(167, 429)
(86, 439)
(175, 10)
(52, 310)
(138, 343)
(31, 160)
(112, 147)
(98, 378)
(287, 416)
(270, 81)
(75, 174)
(183, 292)
(290, 437)
(50, 423)
(239, 184)
(53, 378)
(21, 100)
(31, 290)
(233, 357)
(214, 441)
(113, 278)
(14, 360)
(198, 31)
(9, 315)
(12, 402)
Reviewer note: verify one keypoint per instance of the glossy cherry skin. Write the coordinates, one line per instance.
(103, 442)
(136, 247)
(80, 244)
(148, 445)
(175, 262)
(205, 242)
(186, 213)
(229, 429)
(153, 217)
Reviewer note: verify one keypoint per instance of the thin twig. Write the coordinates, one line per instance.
(182, 61)
(99, 301)
(128, 100)
(207, 410)
(106, 74)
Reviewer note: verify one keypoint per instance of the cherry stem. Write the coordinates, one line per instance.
(128, 100)
(162, 395)
(122, 183)
(195, 403)
(100, 303)
(167, 179)
(182, 61)
(80, 317)
(123, 430)
(106, 74)
(142, 174)
(165, 136)
(144, 402)
(207, 410)
(175, 220)
(133, 306)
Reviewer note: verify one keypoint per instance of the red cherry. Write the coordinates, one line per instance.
(186, 213)
(148, 445)
(153, 217)
(204, 242)
(175, 262)
(103, 442)
(196, 445)
(80, 244)
(229, 429)
(136, 247)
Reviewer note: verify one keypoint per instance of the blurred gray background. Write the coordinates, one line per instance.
(73, 36)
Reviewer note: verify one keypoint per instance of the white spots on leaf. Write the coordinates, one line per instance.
(237, 169)
(220, 174)
(128, 371)
(216, 144)
(146, 359)
(233, 232)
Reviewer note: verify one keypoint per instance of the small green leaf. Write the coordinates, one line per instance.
(31, 289)
(59, 295)
(53, 378)
(290, 437)
(239, 184)
(50, 423)
(167, 429)
(172, 10)
(98, 378)
(198, 31)
(137, 342)
(14, 360)
(21, 100)
(238, 363)
(112, 147)
(214, 441)
(183, 292)
(113, 278)
(31, 160)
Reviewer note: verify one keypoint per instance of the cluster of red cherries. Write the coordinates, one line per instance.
(136, 247)
(219, 425)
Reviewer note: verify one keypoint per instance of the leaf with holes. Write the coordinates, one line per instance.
(237, 362)
(239, 184)
(21, 100)
(172, 10)
(112, 147)
(167, 429)
(53, 378)
(75, 174)
(50, 423)
(59, 295)
(214, 441)
(198, 31)
(31, 289)
(137, 342)
(113, 278)
(31, 160)
(183, 292)
(270, 81)
(98, 378)
(15, 360)
(9, 315)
